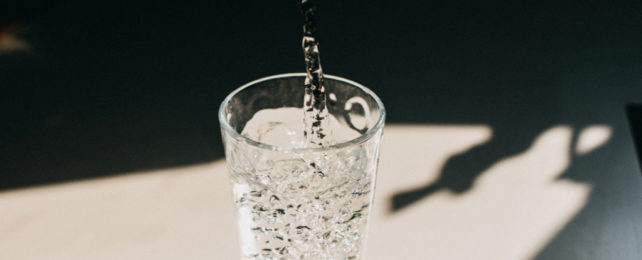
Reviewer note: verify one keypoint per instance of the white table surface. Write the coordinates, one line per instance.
(513, 210)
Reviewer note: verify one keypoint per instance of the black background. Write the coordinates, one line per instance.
(111, 87)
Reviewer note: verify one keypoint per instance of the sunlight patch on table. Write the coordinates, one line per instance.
(512, 211)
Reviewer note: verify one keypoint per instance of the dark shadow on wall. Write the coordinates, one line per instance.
(634, 113)
(109, 87)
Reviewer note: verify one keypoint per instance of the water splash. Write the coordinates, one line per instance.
(314, 102)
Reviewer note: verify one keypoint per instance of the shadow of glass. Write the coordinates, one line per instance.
(520, 200)
(461, 170)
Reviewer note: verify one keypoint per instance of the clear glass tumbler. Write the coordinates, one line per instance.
(294, 202)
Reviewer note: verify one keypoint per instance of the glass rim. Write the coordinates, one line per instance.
(362, 138)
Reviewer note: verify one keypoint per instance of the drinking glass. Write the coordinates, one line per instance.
(293, 201)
